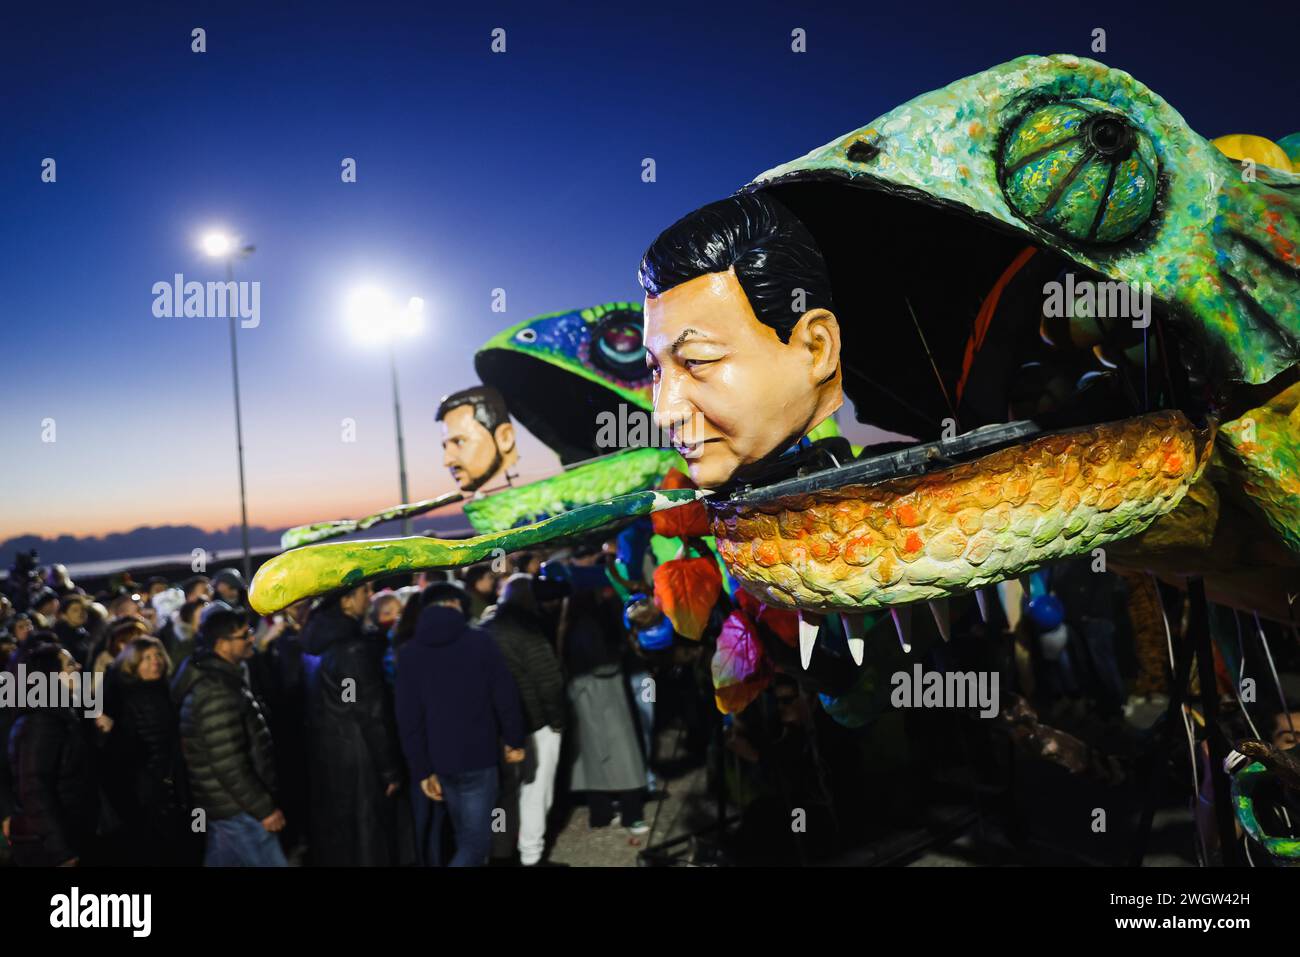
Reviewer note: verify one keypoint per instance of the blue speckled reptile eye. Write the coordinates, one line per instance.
(1081, 170)
(526, 335)
(618, 345)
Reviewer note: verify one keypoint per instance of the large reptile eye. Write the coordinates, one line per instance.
(618, 346)
(1080, 169)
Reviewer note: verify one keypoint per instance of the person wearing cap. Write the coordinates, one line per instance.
(228, 585)
(456, 704)
(227, 746)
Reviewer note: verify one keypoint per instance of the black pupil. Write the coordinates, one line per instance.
(1108, 135)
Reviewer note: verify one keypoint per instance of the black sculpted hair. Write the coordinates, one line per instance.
(771, 250)
(489, 406)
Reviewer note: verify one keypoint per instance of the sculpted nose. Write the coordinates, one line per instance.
(672, 410)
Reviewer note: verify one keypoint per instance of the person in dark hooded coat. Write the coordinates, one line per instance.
(355, 767)
(55, 792)
(457, 705)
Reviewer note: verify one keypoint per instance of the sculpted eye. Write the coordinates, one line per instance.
(618, 345)
(1080, 169)
(526, 335)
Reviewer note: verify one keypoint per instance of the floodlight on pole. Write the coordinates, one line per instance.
(218, 244)
(375, 317)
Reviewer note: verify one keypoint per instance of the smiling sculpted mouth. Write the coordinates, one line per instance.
(689, 449)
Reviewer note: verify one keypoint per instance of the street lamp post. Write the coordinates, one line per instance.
(221, 246)
(375, 317)
(401, 446)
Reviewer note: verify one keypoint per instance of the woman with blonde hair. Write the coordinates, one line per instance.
(142, 756)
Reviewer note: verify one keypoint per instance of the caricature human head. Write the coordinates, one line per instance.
(478, 439)
(741, 335)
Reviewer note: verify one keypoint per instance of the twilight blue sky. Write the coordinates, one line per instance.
(475, 171)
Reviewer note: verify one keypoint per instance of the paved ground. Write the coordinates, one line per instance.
(686, 807)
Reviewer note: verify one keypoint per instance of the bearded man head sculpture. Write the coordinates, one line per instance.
(741, 335)
(478, 438)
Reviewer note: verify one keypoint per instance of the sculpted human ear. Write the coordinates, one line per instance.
(818, 331)
(505, 437)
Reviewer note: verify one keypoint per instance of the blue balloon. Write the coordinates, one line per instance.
(657, 637)
(1046, 612)
(632, 543)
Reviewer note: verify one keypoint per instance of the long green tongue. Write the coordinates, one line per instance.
(301, 535)
(317, 569)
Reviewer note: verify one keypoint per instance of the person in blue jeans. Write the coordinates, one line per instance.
(469, 799)
(242, 841)
(456, 705)
(227, 746)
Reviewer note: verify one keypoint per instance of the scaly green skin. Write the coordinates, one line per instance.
(633, 470)
(322, 531)
(563, 339)
(1265, 459)
(1285, 850)
(317, 569)
(1219, 251)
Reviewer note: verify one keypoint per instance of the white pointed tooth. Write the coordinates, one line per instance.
(807, 638)
(902, 616)
(942, 617)
(855, 628)
(982, 599)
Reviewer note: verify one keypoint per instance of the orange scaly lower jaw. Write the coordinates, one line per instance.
(950, 531)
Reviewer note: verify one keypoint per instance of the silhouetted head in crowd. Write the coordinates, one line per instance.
(199, 586)
(224, 632)
(384, 612)
(228, 584)
(481, 580)
(74, 610)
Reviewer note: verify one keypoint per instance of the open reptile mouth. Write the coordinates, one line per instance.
(565, 411)
(1038, 436)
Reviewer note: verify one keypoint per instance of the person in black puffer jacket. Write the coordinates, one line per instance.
(56, 799)
(355, 770)
(142, 757)
(227, 746)
(517, 625)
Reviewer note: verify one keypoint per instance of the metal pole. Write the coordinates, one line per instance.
(401, 446)
(239, 434)
(1198, 623)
